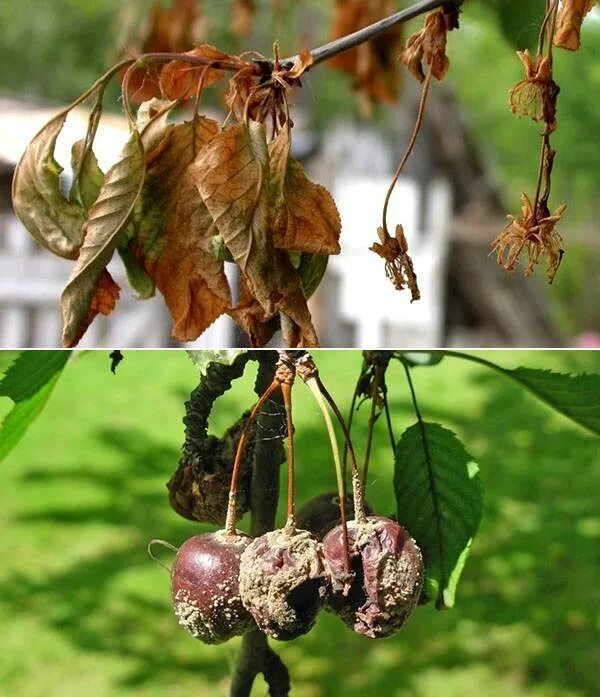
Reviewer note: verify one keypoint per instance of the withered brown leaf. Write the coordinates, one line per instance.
(306, 218)
(232, 174)
(54, 222)
(103, 302)
(372, 64)
(108, 217)
(428, 46)
(252, 319)
(570, 18)
(242, 14)
(173, 231)
(167, 30)
(181, 80)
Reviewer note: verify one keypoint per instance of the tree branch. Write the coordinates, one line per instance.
(256, 656)
(344, 43)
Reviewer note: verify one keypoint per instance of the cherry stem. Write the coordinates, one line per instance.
(359, 507)
(286, 391)
(371, 425)
(313, 385)
(230, 520)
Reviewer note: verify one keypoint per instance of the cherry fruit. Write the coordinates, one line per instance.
(283, 582)
(205, 587)
(384, 588)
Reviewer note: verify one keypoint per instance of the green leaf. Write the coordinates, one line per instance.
(107, 219)
(29, 383)
(440, 500)
(311, 270)
(575, 396)
(139, 280)
(54, 222)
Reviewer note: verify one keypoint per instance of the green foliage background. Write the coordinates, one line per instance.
(83, 609)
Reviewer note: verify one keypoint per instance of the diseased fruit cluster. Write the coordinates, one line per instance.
(369, 571)
(224, 585)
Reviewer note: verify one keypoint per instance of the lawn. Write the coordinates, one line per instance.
(83, 610)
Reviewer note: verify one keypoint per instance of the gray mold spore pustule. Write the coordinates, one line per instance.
(283, 582)
(205, 588)
(388, 576)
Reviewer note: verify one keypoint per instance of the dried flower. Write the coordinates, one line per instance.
(429, 46)
(535, 96)
(535, 232)
(398, 264)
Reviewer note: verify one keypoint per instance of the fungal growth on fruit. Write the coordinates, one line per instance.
(283, 582)
(205, 588)
(387, 576)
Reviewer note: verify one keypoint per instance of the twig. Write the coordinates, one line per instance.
(256, 656)
(344, 43)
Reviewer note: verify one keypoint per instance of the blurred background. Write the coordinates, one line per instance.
(472, 161)
(83, 610)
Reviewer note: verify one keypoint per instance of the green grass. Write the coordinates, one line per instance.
(84, 611)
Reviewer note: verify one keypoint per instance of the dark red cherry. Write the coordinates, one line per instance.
(322, 513)
(205, 588)
(283, 582)
(387, 576)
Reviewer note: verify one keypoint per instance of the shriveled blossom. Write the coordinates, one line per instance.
(535, 96)
(533, 233)
(428, 46)
(398, 264)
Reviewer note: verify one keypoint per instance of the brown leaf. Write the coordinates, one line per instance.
(570, 18)
(242, 14)
(173, 232)
(52, 220)
(372, 64)
(252, 319)
(428, 46)
(181, 80)
(103, 302)
(306, 217)
(108, 217)
(232, 175)
(241, 85)
(304, 62)
(168, 30)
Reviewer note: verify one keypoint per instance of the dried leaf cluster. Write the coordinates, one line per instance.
(183, 199)
(534, 232)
